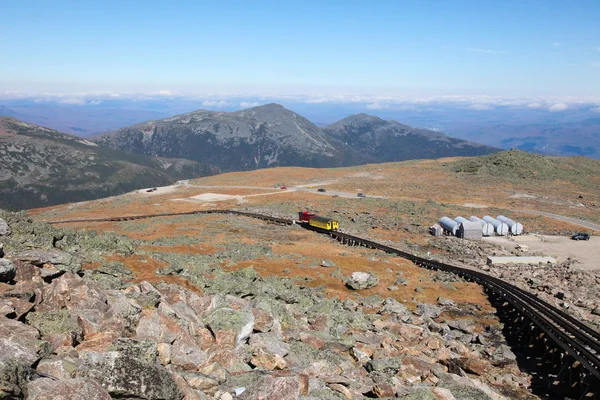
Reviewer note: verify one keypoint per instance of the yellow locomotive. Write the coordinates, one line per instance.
(318, 222)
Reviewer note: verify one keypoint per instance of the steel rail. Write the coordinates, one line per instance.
(576, 338)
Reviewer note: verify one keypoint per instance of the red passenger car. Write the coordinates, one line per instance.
(305, 216)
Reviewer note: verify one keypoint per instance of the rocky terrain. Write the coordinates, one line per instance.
(385, 141)
(42, 167)
(271, 136)
(260, 137)
(74, 325)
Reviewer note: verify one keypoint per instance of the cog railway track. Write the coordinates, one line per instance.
(576, 340)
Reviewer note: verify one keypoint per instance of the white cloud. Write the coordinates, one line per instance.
(249, 104)
(377, 106)
(480, 107)
(216, 103)
(95, 102)
(165, 93)
(535, 105)
(557, 107)
(73, 101)
(489, 51)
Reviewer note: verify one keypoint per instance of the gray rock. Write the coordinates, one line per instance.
(394, 306)
(362, 280)
(4, 228)
(327, 263)
(464, 325)
(428, 310)
(464, 388)
(127, 377)
(68, 389)
(224, 319)
(60, 367)
(385, 364)
(144, 350)
(596, 311)
(16, 359)
(62, 260)
(8, 270)
(270, 342)
(503, 355)
(420, 394)
(1, 250)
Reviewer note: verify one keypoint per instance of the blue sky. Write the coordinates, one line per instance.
(377, 48)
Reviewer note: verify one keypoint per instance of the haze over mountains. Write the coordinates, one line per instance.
(271, 135)
(40, 167)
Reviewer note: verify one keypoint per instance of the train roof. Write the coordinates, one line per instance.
(323, 219)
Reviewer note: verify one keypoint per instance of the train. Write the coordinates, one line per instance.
(318, 222)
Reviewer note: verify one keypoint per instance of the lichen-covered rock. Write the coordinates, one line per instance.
(59, 367)
(73, 293)
(55, 321)
(503, 355)
(17, 355)
(8, 270)
(144, 350)
(124, 376)
(4, 228)
(269, 342)
(428, 310)
(61, 260)
(362, 280)
(67, 389)
(239, 321)
(14, 308)
(274, 388)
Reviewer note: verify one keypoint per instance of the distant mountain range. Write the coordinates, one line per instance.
(77, 120)
(580, 138)
(41, 167)
(271, 136)
(385, 141)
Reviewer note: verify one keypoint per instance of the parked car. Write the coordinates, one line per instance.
(283, 187)
(321, 190)
(581, 236)
(361, 195)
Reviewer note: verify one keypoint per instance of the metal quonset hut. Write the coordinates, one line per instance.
(487, 229)
(500, 227)
(449, 225)
(515, 227)
(469, 230)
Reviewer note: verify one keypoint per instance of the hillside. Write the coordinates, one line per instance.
(260, 137)
(42, 167)
(272, 136)
(517, 166)
(386, 141)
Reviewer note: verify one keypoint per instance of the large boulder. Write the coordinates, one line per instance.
(428, 310)
(19, 351)
(228, 319)
(68, 389)
(61, 260)
(8, 270)
(275, 388)
(73, 293)
(362, 280)
(4, 228)
(124, 376)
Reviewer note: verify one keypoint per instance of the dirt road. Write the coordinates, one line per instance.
(574, 221)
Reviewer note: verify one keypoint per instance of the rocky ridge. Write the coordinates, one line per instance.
(83, 333)
(271, 136)
(42, 167)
